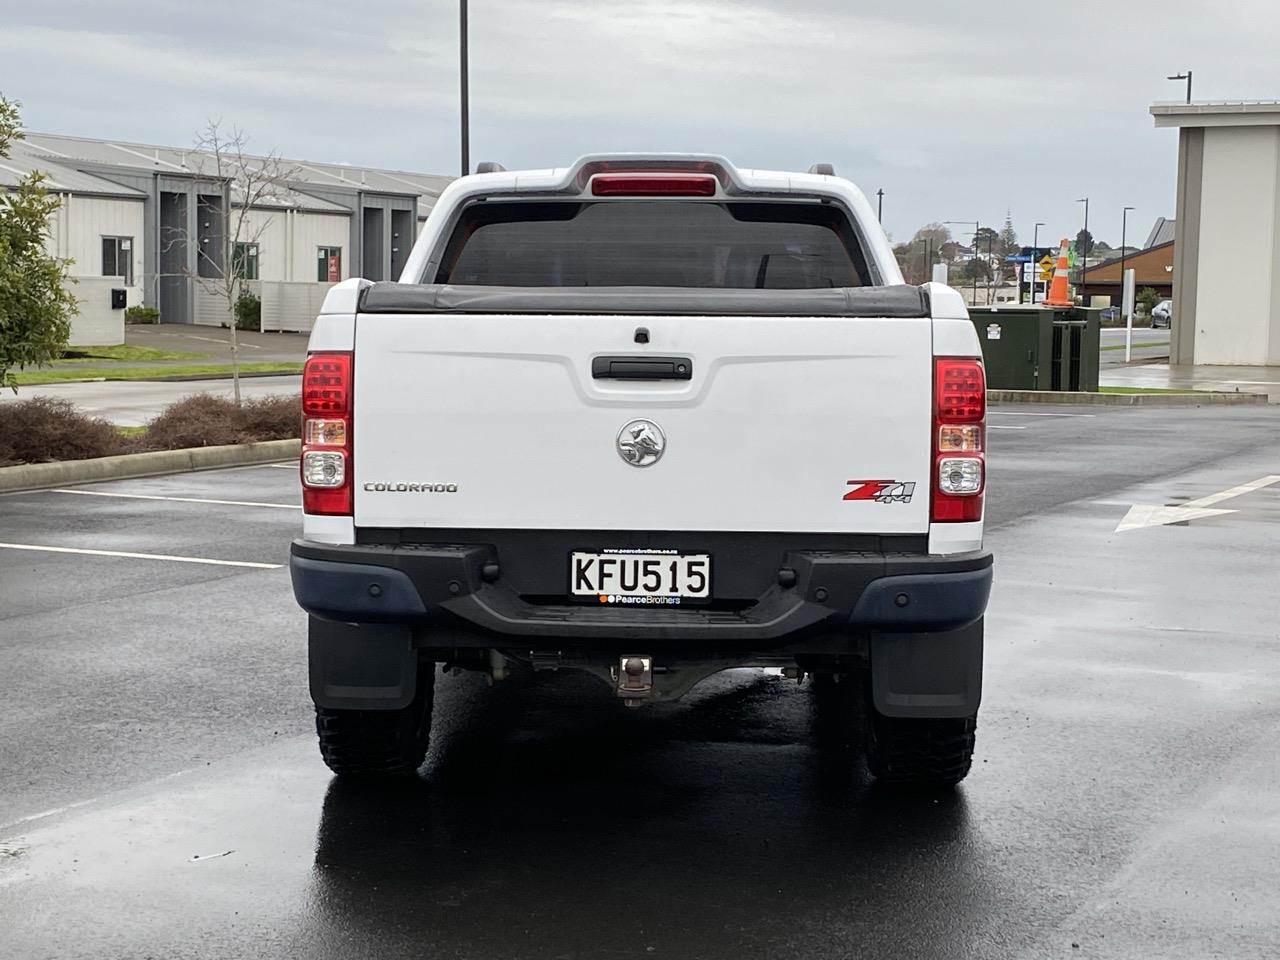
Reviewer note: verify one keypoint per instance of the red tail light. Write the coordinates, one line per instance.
(653, 185)
(325, 465)
(959, 440)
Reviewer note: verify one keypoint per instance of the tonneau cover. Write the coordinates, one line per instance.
(897, 301)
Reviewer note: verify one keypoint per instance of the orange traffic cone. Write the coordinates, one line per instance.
(1058, 295)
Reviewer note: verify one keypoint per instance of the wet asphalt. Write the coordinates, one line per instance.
(162, 795)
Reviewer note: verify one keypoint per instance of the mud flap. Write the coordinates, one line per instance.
(927, 674)
(361, 666)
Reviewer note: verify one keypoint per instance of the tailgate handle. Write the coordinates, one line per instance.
(642, 368)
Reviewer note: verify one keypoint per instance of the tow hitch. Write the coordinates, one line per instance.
(633, 679)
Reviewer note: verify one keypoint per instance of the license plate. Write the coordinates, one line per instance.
(640, 577)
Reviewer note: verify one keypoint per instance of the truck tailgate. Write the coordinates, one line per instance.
(496, 421)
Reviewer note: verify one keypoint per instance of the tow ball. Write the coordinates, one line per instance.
(633, 679)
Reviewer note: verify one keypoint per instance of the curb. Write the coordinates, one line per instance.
(35, 476)
(180, 379)
(211, 376)
(1189, 399)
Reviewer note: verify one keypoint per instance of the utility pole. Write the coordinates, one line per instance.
(880, 205)
(1035, 250)
(1084, 254)
(466, 106)
(991, 279)
(973, 263)
(1128, 325)
(1183, 76)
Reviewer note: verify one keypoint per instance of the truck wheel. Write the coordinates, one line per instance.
(379, 743)
(909, 751)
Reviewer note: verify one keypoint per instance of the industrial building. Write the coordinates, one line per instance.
(135, 218)
(1226, 269)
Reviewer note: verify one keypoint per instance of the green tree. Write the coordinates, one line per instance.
(987, 240)
(1147, 299)
(1008, 236)
(35, 305)
(1084, 243)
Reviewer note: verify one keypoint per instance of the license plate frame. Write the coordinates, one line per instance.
(678, 572)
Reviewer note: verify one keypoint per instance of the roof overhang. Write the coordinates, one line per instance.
(1217, 113)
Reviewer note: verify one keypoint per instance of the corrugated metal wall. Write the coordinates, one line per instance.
(89, 219)
(292, 306)
(312, 231)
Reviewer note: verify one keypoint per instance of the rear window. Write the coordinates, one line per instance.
(654, 243)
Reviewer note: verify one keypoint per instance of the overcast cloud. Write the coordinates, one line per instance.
(957, 111)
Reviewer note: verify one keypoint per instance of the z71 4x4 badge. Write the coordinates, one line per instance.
(881, 491)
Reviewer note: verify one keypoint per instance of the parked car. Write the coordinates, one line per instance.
(650, 418)
(1162, 314)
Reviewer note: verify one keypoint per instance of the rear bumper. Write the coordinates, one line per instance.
(463, 590)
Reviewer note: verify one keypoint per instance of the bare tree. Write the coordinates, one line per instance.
(249, 183)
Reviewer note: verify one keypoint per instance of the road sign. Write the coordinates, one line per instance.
(1046, 267)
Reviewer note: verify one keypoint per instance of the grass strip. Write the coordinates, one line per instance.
(29, 378)
(1147, 390)
(1136, 346)
(125, 351)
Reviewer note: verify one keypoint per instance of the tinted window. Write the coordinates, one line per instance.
(654, 243)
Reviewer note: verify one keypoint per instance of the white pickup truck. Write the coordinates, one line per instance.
(652, 417)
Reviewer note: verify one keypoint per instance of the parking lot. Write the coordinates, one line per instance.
(163, 794)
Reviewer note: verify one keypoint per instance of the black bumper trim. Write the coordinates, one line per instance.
(443, 582)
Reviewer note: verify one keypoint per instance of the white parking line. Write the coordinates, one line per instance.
(140, 556)
(148, 496)
(225, 343)
(284, 466)
(1239, 491)
(1019, 413)
(999, 426)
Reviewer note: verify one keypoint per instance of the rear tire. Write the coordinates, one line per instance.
(379, 743)
(919, 752)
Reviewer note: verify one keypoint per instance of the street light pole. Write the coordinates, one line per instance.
(1124, 307)
(991, 278)
(973, 263)
(1035, 248)
(1084, 254)
(880, 205)
(1183, 76)
(465, 105)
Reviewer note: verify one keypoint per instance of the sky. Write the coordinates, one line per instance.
(957, 111)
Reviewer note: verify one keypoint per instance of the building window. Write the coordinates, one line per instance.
(329, 264)
(117, 258)
(244, 261)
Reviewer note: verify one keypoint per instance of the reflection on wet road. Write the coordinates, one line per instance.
(714, 830)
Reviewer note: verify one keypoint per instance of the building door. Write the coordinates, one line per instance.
(174, 286)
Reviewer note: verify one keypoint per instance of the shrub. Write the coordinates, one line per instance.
(1147, 299)
(248, 312)
(141, 314)
(43, 429)
(272, 418)
(201, 420)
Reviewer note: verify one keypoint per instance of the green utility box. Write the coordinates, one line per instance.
(1039, 348)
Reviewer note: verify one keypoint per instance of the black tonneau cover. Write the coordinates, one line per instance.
(898, 301)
